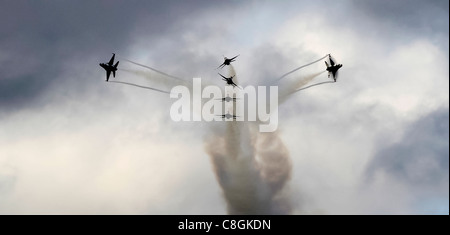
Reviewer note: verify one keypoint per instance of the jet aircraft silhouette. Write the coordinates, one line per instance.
(229, 80)
(227, 61)
(332, 68)
(109, 67)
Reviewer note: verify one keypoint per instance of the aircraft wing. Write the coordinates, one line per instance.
(222, 65)
(234, 57)
(111, 61)
(331, 61)
(108, 72)
(234, 85)
(222, 76)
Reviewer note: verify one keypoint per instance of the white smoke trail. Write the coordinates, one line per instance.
(156, 78)
(144, 87)
(287, 88)
(317, 84)
(303, 66)
(155, 70)
(251, 167)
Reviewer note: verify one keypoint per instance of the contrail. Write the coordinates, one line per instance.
(157, 79)
(155, 70)
(145, 87)
(320, 83)
(290, 87)
(284, 75)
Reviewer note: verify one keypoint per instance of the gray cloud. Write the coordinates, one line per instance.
(429, 16)
(421, 157)
(41, 39)
(6, 183)
(53, 101)
(406, 20)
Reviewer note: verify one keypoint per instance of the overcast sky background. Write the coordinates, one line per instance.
(375, 142)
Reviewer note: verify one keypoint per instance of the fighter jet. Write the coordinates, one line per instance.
(228, 99)
(229, 80)
(333, 68)
(228, 116)
(227, 61)
(109, 67)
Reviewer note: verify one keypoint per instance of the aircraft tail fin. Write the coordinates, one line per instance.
(115, 66)
(326, 64)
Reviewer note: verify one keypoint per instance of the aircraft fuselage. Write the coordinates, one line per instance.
(227, 61)
(108, 67)
(334, 68)
(230, 82)
(228, 116)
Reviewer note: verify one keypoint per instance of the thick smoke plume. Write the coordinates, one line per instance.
(251, 167)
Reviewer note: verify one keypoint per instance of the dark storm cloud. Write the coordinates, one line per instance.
(415, 14)
(406, 19)
(39, 37)
(421, 157)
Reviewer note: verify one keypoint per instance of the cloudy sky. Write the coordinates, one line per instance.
(375, 142)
